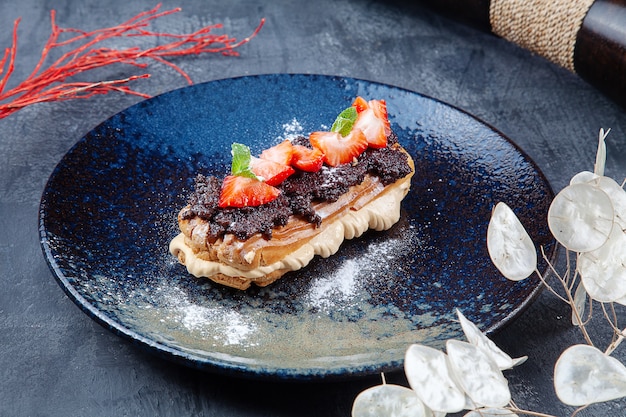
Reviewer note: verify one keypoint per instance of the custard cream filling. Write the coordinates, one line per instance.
(379, 214)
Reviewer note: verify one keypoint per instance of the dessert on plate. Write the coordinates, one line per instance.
(299, 198)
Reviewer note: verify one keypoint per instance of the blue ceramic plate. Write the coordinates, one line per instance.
(109, 211)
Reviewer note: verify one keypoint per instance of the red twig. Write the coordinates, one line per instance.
(87, 52)
(10, 54)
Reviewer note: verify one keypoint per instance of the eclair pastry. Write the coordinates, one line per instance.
(300, 198)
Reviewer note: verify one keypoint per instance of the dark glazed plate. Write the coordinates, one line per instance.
(109, 211)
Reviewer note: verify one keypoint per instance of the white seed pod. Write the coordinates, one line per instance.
(389, 400)
(581, 217)
(429, 375)
(584, 375)
(478, 339)
(621, 301)
(615, 192)
(478, 374)
(603, 271)
(510, 247)
(583, 177)
(618, 197)
(491, 412)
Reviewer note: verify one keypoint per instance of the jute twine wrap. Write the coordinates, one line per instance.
(545, 27)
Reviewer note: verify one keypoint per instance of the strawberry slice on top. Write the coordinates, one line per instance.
(339, 149)
(360, 104)
(344, 142)
(281, 153)
(372, 119)
(244, 187)
(238, 191)
(273, 173)
(307, 159)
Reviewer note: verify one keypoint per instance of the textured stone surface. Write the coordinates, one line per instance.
(55, 361)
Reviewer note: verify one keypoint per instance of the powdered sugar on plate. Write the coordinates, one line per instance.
(345, 288)
(291, 130)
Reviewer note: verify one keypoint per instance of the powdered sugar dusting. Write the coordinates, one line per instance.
(339, 288)
(345, 287)
(222, 325)
(291, 130)
(294, 128)
(331, 179)
(232, 326)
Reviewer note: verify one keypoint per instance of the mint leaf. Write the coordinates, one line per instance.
(344, 122)
(241, 161)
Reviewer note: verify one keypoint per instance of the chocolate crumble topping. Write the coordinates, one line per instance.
(298, 192)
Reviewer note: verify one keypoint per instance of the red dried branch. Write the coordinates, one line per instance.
(87, 52)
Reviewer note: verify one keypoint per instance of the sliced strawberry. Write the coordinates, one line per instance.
(360, 104)
(373, 121)
(281, 153)
(307, 159)
(339, 149)
(380, 110)
(273, 173)
(238, 191)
